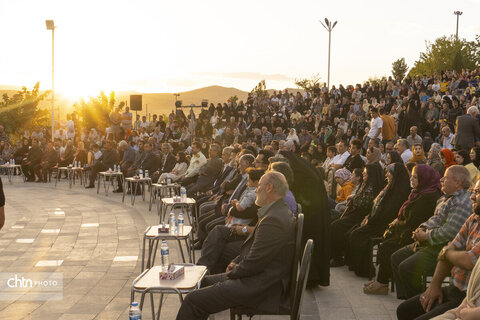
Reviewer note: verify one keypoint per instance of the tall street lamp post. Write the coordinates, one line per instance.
(51, 26)
(329, 27)
(458, 14)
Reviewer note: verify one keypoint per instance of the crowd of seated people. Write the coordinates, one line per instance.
(391, 160)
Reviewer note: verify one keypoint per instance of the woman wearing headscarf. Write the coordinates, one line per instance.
(357, 209)
(393, 157)
(463, 158)
(384, 210)
(374, 155)
(309, 190)
(292, 135)
(434, 158)
(418, 155)
(447, 157)
(418, 208)
(342, 177)
(475, 156)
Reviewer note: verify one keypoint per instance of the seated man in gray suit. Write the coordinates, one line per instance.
(258, 277)
(208, 173)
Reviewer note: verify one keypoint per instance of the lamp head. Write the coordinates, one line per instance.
(50, 24)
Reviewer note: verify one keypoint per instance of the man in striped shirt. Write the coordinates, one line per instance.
(451, 212)
(456, 260)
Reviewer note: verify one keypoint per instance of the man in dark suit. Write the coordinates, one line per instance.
(108, 159)
(208, 173)
(226, 173)
(258, 277)
(467, 130)
(49, 160)
(32, 161)
(150, 161)
(167, 162)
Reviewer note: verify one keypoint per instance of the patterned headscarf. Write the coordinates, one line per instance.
(343, 174)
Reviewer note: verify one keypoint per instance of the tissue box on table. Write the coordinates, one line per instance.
(173, 272)
(164, 228)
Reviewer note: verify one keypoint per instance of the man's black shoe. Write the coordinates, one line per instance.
(198, 245)
(90, 186)
(337, 262)
(118, 191)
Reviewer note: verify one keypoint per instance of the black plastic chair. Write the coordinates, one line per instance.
(297, 289)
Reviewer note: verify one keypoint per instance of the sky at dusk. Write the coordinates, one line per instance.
(173, 46)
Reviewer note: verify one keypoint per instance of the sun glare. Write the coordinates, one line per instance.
(76, 90)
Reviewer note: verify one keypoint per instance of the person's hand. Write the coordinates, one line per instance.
(428, 298)
(458, 311)
(234, 202)
(208, 193)
(238, 229)
(230, 266)
(394, 222)
(419, 235)
(224, 208)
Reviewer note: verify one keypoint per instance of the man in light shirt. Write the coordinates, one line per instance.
(414, 138)
(198, 160)
(341, 157)
(403, 150)
(376, 125)
(446, 140)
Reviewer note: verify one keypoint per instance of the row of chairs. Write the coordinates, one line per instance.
(299, 275)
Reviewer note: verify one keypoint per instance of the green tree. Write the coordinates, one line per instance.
(260, 92)
(95, 113)
(308, 84)
(447, 53)
(21, 111)
(399, 68)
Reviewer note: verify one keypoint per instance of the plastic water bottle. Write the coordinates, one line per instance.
(146, 173)
(140, 173)
(180, 223)
(183, 194)
(169, 180)
(171, 221)
(119, 169)
(79, 164)
(115, 167)
(13, 161)
(164, 254)
(135, 313)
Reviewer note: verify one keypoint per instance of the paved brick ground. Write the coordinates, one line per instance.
(97, 244)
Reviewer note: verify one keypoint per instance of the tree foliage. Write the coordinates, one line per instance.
(308, 84)
(399, 68)
(95, 112)
(259, 93)
(376, 80)
(233, 99)
(447, 53)
(21, 111)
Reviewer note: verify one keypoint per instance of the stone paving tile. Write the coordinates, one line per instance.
(97, 287)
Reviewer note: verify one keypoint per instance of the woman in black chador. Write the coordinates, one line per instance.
(309, 190)
(384, 210)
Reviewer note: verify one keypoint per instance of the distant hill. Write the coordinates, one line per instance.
(164, 103)
(157, 103)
